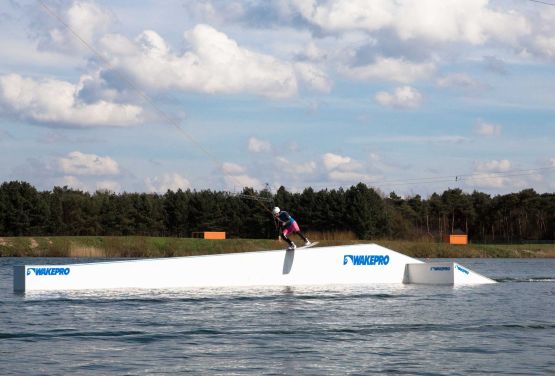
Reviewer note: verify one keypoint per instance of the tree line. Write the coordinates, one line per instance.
(368, 213)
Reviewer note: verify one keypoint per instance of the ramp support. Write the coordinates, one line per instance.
(442, 273)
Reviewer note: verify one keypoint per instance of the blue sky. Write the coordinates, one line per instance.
(411, 96)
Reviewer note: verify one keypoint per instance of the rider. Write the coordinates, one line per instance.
(288, 225)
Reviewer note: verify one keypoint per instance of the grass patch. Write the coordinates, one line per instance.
(141, 246)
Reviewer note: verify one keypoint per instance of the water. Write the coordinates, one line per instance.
(507, 328)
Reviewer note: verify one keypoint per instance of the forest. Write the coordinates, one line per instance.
(525, 216)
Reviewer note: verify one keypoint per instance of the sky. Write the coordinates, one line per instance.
(411, 96)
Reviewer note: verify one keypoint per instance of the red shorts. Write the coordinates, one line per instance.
(293, 227)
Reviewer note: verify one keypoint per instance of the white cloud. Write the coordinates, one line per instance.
(53, 101)
(471, 21)
(543, 42)
(350, 176)
(545, 45)
(347, 14)
(493, 166)
(333, 161)
(459, 80)
(485, 180)
(108, 185)
(391, 69)
(489, 174)
(241, 181)
(169, 181)
(24, 53)
(232, 168)
(314, 77)
(488, 129)
(235, 177)
(48, 177)
(345, 169)
(256, 145)
(374, 157)
(77, 163)
(552, 161)
(87, 20)
(296, 168)
(402, 97)
(72, 182)
(215, 63)
(441, 139)
(117, 45)
(305, 168)
(312, 52)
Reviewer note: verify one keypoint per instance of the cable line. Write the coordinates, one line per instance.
(479, 176)
(542, 2)
(146, 98)
(387, 183)
(462, 177)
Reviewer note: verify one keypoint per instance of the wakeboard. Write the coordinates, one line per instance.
(306, 246)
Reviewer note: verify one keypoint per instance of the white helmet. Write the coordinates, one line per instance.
(275, 210)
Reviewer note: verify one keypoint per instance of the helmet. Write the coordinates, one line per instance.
(275, 210)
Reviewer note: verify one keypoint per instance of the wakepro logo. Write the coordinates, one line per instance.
(48, 271)
(440, 268)
(366, 259)
(461, 269)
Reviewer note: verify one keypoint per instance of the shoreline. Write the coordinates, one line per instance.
(150, 247)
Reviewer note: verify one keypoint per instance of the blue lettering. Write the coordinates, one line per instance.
(461, 269)
(48, 271)
(366, 259)
(440, 268)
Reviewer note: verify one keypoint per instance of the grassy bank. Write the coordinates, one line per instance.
(124, 246)
(443, 250)
(139, 246)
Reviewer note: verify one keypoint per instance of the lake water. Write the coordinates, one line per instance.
(507, 328)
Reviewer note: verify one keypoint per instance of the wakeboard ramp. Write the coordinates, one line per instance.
(350, 264)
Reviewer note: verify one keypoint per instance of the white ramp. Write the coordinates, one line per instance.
(443, 273)
(354, 264)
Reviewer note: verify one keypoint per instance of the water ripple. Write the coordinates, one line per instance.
(534, 279)
(506, 328)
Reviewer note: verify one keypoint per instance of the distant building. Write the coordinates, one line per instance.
(213, 235)
(457, 237)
